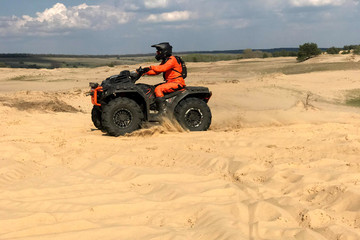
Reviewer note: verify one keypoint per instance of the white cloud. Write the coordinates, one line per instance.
(169, 17)
(155, 3)
(317, 3)
(59, 20)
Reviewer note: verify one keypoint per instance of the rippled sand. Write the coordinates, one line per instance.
(280, 161)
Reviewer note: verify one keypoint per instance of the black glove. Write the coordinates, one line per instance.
(142, 71)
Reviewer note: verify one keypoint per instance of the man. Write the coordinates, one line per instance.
(172, 72)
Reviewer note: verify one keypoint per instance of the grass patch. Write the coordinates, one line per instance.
(319, 67)
(353, 98)
(210, 57)
(353, 102)
(24, 78)
(3, 65)
(59, 80)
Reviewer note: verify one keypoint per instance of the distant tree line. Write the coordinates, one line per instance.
(304, 52)
(28, 55)
(309, 50)
(347, 49)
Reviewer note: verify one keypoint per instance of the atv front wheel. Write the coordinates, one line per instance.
(121, 116)
(96, 117)
(193, 114)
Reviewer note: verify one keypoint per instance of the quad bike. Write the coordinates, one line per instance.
(121, 106)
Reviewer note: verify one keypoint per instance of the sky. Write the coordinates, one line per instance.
(132, 26)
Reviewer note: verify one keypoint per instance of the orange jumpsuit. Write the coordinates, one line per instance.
(172, 75)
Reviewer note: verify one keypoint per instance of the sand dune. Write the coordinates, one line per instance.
(280, 160)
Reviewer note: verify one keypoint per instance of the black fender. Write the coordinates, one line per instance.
(129, 92)
(189, 92)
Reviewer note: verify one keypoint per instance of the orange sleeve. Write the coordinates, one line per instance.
(152, 72)
(163, 67)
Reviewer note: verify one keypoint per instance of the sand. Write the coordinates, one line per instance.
(280, 160)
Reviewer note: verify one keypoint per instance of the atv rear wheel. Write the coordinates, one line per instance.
(193, 114)
(121, 116)
(96, 117)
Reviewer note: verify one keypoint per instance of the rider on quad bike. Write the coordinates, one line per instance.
(172, 71)
(120, 105)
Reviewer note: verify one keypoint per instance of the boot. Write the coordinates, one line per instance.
(161, 105)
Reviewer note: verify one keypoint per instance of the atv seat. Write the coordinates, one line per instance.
(170, 95)
(197, 89)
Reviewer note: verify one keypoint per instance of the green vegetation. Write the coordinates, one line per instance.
(333, 50)
(249, 53)
(284, 53)
(307, 50)
(50, 61)
(357, 50)
(3, 65)
(319, 67)
(68, 61)
(351, 49)
(246, 54)
(197, 57)
(19, 78)
(353, 98)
